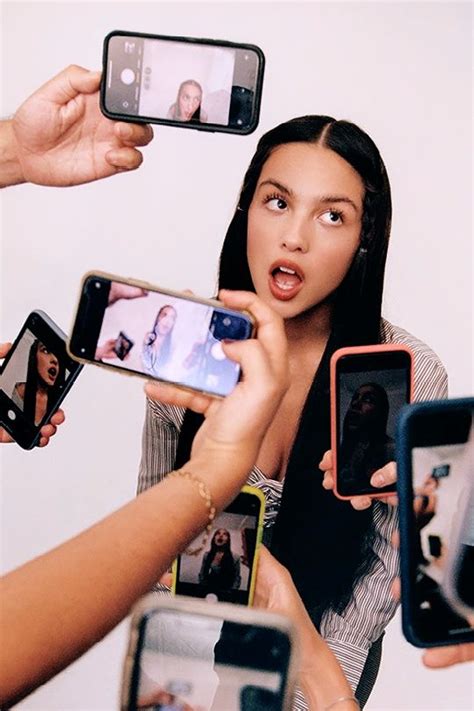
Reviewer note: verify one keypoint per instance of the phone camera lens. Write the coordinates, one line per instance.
(97, 284)
(34, 320)
(226, 321)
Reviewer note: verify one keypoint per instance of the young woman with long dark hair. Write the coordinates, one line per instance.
(310, 236)
(220, 569)
(44, 378)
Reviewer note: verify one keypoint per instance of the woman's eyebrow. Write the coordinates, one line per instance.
(279, 186)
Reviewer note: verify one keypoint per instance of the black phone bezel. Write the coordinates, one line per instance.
(23, 432)
(245, 504)
(360, 363)
(209, 127)
(410, 435)
(89, 317)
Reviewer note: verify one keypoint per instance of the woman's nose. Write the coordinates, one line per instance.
(295, 237)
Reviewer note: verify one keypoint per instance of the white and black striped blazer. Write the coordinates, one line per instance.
(372, 606)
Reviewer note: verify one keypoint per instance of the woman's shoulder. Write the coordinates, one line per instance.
(431, 378)
(166, 414)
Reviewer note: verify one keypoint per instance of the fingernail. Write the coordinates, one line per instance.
(379, 480)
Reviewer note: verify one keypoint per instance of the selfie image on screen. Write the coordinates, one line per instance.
(223, 568)
(171, 339)
(33, 378)
(194, 663)
(369, 404)
(442, 482)
(182, 81)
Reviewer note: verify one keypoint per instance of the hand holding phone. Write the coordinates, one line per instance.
(34, 379)
(369, 387)
(210, 85)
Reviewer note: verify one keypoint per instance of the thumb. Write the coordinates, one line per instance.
(69, 83)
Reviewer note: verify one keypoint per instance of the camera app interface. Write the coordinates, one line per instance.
(169, 338)
(33, 379)
(181, 81)
(222, 569)
(194, 663)
(442, 484)
(369, 403)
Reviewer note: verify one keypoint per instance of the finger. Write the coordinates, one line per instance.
(48, 431)
(43, 441)
(385, 476)
(391, 500)
(447, 656)
(359, 503)
(5, 437)
(58, 418)
(134, 134)
(69, 83)
(271, 333)
(326, 461)
(124, 158)
(396, 589)
(254, 362)
(167, 580)
(172, 395)
(395, 541)
(4, 348)
(328, 481)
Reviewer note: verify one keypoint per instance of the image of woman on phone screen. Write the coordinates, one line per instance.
(187, 106)
(310, 236)
(156, 349)
(220, 569)
(44, 378)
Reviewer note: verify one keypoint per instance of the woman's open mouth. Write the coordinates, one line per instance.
(285, 280)
(52, 372)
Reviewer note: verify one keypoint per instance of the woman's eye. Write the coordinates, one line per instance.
(332, 217)
(276, 203)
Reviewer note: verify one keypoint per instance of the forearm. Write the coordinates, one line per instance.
(65, 601)
(10, 169)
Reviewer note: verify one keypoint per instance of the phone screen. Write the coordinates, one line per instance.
(190, 662)
(371, 389)
(185, 81)
(223, 569)
(441, 526)
(34, 378)
(158, 335)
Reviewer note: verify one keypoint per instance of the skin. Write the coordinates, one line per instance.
(188, 101)
(364, 408)
(221, 537)
(166, 321)
(59, 137)
(48, 430)
(48, 365)
(307, 212)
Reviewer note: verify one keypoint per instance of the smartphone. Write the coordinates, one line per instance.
(35, 377)
(224, 568)
(211, 85)
(144, 330)
(369, 387)
(185, 654)
(436, 521)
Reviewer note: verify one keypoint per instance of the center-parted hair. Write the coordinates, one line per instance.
(324, 542)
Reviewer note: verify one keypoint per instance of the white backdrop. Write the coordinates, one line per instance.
(400, 70)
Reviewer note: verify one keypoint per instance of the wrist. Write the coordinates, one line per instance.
(11, 172)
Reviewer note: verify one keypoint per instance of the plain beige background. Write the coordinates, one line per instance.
(403, 72)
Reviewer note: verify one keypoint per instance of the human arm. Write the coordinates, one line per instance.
(319, 673)
(63, 602)
(48, 430)
(59, 137)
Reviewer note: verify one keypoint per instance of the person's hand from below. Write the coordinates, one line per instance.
(382, 477)
(274, 588)
(124, 291)
(61, 137)
(48, 430)
(234, 426)
(441, 657)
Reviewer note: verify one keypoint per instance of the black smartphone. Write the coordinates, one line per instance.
(162, 334)
(185, 654)
(369, 387)
(34, 378)
(211, 85)
(436, 521)
(224, 566)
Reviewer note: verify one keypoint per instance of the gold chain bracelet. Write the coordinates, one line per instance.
(205, 495)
